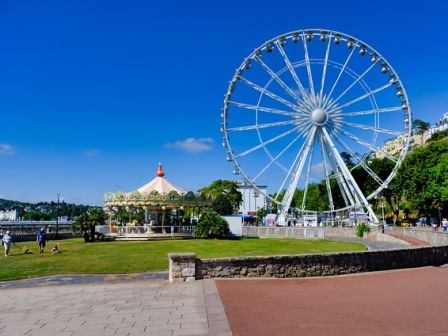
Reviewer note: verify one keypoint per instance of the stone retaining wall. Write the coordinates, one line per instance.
(185, 267)
(433, 238)
(182, 266)
(338, 232)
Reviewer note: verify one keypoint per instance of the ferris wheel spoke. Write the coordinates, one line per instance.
(327, 175)
(368, 94)
(268, 93)
(367, 112)
(264, 109)
(294, 163)
(276, 158)
(340, 74)
(263, 144)
(356, 191)
(324, 71)
(260, 126)
(352, 85)
(298, 168)
(342, 185)
(307, 179)
(292, 71)
(281, 82)
(360, 160)
(363, 143)
(308, 65)
(305, 128)
(371, 128)
(339, 177)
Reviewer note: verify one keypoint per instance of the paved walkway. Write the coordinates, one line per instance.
(397, 303)
(76, 279)
(372, 245)
(130, 308)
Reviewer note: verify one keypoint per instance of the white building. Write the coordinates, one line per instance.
(252, 199)
(393, 147)
(8, 215)
(438, 127)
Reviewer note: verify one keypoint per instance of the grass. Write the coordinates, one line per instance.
(141, 256)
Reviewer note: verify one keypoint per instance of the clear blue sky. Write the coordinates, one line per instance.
(93, 94)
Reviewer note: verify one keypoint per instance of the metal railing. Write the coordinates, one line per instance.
(283, 232)
(34, 223)
(146, 231)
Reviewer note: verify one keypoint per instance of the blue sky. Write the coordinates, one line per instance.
(93, 94)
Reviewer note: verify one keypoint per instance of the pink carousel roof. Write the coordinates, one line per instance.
(159, 184)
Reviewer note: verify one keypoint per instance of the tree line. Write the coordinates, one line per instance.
(45, 210)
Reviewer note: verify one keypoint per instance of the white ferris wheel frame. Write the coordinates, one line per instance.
(307, 122)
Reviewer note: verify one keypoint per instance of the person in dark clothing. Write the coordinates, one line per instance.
(41, 239)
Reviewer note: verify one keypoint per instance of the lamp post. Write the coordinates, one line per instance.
(382, 208)
(57, 217)
(163, 218)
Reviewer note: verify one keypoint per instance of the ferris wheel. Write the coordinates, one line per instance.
(310, 107)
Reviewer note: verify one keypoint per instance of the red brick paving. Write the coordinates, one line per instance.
(405, 302)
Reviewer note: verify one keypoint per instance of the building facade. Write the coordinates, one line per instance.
(393, 147)
(442, 125)
(8, 215)
(252, 199)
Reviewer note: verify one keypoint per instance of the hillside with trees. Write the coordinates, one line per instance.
(45, 210)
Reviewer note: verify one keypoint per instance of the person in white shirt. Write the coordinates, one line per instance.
(7, 241)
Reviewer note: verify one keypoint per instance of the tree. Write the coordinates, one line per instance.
(423, 178)
(86, 223)
(438, 136)
(420, 126)
(223, 188)
(211, 225)
(222, 205)
(261, 214)
(347, 159)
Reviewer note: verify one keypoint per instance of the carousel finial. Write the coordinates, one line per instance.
(160, 172)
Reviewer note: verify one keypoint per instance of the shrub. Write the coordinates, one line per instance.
(361, 228)
(212, 225)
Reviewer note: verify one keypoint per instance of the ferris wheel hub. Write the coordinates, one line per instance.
(319, 116)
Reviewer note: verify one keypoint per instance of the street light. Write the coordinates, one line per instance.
(57, 217)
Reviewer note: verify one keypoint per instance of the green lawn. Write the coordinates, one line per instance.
(129, 257)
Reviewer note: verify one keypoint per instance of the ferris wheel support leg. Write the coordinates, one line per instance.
(298, 172)
(345, 192)
(348, 177)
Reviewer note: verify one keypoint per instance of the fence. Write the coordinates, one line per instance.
(283, 232)
(146, 231)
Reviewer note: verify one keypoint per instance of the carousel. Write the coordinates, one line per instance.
(156, 210)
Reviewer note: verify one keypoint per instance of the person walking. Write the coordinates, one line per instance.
(7, 241)
(41, 239)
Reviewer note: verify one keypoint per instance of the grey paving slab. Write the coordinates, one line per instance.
(371, 244)
(113, 308)
(71, 279)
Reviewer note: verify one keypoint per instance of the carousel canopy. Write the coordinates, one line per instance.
(159, 184)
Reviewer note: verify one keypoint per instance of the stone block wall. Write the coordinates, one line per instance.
(182, 267)
(185, 267)
(433, 238)
(320, 264)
